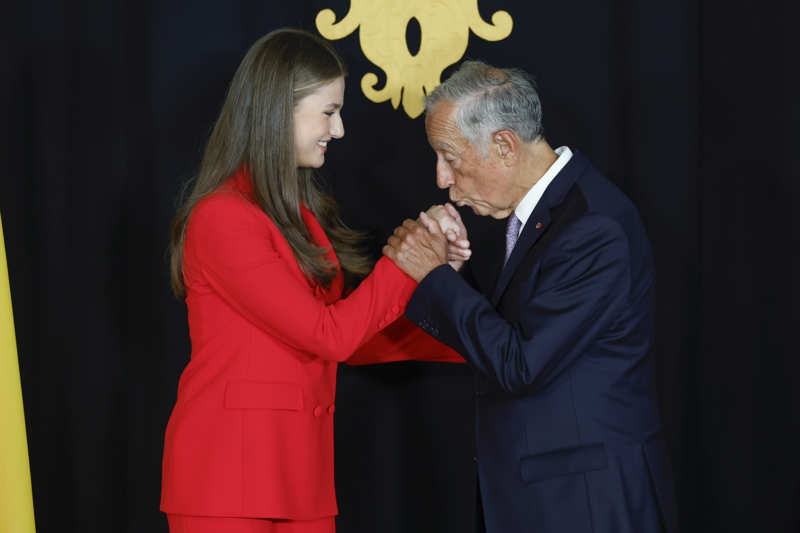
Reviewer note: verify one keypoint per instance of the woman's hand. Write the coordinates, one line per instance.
(417, 247)
(458, 251)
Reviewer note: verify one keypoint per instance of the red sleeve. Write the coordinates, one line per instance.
(403, 341)
(231, 245)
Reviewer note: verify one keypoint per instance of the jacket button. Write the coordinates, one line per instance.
(318, 411)
(331, 409)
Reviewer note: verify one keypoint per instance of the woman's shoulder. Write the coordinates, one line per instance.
(227, 198)
(227, 209)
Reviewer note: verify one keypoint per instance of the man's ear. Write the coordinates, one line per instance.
(506, 146)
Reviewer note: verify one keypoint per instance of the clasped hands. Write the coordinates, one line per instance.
(436, 238)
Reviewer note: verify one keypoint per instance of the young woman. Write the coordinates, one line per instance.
(262, 260)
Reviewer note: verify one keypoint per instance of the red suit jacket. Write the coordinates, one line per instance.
(252, 431)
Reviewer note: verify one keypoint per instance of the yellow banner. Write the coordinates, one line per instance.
(445, 26)
(16, 500)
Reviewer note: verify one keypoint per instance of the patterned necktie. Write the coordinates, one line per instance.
(512, 233)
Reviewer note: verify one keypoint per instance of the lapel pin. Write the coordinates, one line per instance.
(538, 225)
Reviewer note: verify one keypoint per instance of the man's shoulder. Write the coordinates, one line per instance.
(611, 211)
(604, 197)
(600, 191)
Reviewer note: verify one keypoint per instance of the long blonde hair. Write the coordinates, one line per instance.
(256, 128)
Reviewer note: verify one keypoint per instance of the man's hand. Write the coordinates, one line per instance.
(449, 221)
(417, 248)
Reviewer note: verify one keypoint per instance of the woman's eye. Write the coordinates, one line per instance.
(329, 113)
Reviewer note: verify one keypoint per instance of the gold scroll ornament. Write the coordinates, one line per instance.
(445, 26)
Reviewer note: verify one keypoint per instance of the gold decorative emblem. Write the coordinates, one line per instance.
(445, 26)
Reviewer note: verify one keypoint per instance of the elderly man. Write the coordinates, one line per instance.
(559, 334)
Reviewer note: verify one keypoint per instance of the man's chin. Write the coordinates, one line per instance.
(500, 214)
(475, 208)
(481, 211)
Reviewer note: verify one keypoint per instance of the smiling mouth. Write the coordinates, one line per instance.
(323, 145)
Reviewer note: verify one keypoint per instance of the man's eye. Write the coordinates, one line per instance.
(329, 113)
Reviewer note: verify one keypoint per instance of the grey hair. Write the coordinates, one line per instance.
(489, 99)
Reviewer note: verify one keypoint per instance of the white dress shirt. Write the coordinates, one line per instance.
(532, 197)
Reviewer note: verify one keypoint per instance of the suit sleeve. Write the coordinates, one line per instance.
(232, 247)
(580, 289)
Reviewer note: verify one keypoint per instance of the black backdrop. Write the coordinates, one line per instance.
(691, 107)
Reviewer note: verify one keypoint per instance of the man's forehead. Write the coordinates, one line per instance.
(441, 127)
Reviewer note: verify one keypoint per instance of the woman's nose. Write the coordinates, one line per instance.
(337, 128)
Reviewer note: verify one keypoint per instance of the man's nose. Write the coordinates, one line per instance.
(444, 177)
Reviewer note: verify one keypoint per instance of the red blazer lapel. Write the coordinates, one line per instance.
(334, 292)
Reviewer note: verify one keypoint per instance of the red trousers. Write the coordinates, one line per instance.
(220, 524)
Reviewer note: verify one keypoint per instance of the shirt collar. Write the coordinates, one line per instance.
(532, 197)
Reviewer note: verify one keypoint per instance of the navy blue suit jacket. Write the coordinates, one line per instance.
(568, 433)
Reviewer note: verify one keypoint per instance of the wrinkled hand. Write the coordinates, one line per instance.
(458, 251)
(417, 247)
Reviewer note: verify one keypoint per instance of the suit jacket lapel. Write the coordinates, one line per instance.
(534, 228)
(540, 220)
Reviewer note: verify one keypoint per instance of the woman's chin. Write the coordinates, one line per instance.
(312, 164)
